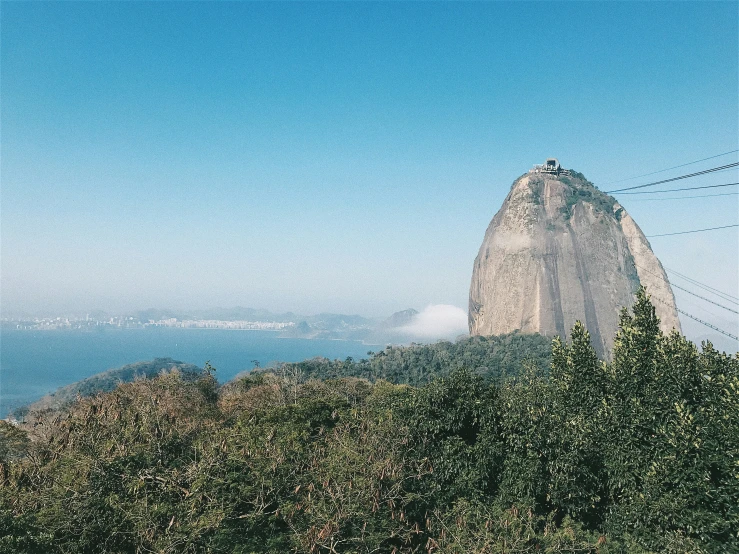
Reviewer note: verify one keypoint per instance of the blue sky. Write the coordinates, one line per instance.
(338, 157)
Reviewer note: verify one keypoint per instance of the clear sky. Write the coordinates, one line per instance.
(339, 157)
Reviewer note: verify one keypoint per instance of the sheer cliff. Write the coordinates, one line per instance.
(560, 250)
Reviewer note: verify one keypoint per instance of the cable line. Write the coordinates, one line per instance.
(669, 168)
(727, 296)
(694, 302)
(698, 320)
(682, 197)
(705, 171)
(680, 190)
(693, 231)
(707, 324)
(686, 290)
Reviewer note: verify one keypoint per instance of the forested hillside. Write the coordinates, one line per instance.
(106, 381)
(493, 358)
(638, 455)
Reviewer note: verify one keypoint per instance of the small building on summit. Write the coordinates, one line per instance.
(551, 166)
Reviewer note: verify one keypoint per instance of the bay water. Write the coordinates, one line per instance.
(34, 363)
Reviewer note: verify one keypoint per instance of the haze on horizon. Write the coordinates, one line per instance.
(341, 157)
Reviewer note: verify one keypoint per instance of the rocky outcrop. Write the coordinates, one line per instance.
(559, 250)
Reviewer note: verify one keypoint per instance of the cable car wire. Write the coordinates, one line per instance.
(693, 231)
(707, 324)
(704, 172)
(725, 295)
(681, 197)
(669, 168)
(697, 319)
(686, 290)
(682, 189)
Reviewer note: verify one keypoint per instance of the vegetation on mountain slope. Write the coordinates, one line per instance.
(637, 455)
(106, 381)
(493, 358)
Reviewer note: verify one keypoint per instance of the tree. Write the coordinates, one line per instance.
(577, 480)
(671, 439)
(525, 412)
(453, 424)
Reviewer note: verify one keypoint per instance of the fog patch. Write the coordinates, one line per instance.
(438, 321)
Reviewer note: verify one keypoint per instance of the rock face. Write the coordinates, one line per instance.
(559, 250)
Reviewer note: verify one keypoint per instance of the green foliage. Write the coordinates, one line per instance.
(673, 437)
(495, 358)
(577, 483)
(477, 528)
(636, 456)
(19, 534)
(13, 442)
(582, 190)
(453, 426)
(525, 420)
(106, 381)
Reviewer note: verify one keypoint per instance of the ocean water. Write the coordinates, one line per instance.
(34, 363)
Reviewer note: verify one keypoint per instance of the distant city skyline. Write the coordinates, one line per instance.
(343, 157)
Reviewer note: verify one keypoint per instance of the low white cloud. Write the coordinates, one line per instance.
(438, 321)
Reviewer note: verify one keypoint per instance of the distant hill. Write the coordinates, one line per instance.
(327, 326)
(399, 319)
(392, 330)
(318, 326)
(106, 382)
(237, 313)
